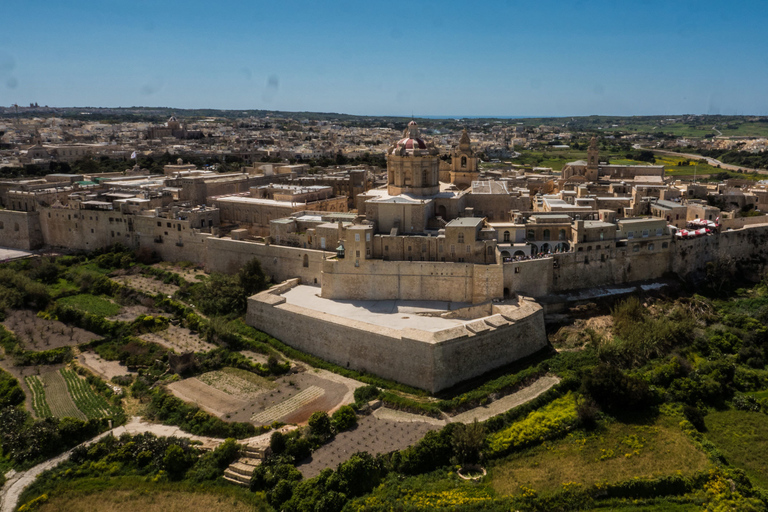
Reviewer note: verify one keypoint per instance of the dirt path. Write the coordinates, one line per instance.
(508, 402)
(17, 482)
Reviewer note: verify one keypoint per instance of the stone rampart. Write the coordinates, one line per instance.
(423, 359)
(20, 230)
(277, 261)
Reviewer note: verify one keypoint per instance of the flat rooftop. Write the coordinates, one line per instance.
(395, 314)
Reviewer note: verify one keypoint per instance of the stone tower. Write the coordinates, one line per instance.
(593, 160)
(464, 163)
(412, 168)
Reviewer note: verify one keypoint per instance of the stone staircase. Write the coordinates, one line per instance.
(240, 471)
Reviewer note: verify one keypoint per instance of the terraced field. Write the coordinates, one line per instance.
(64, 394)
(38, 396)
(57, 396)
(91, 404)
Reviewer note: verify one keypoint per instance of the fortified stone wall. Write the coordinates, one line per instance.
(427, 360)
(20, 230)
(532, 278)
(278, 261)
(742, 245)
(406, 280)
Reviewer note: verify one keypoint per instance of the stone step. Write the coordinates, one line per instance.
(241, 469)
(236, 477)
(255, 452)
(236, 482)
(249, 461)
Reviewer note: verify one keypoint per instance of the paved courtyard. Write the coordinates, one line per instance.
(395, 314)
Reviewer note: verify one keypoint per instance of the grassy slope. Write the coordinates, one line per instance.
(91, 304)
(127, 494)
(617, 453)
(743, 438)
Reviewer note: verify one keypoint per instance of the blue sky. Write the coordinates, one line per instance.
(390, 58)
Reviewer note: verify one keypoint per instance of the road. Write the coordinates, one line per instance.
(711, 161)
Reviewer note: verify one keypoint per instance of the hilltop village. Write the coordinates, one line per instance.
(428, 270)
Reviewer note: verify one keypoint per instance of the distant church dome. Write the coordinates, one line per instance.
(411, 140)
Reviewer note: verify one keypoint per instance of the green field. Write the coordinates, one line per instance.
(617, 453)
(39, 404)
(57, 396)
(743, 438)
(91, 404)
(91, 304)
(64, 394)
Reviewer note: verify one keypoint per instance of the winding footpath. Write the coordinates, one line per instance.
(17, 482)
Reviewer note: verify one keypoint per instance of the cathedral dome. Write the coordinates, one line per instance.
(411, 141)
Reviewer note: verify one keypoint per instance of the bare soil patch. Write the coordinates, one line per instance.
(40, 334)
(146, 284)
(289, 399)
(189, 273)
(179, 339)
(582, 331)
(372, 435)
(206, 397)
(105, 369)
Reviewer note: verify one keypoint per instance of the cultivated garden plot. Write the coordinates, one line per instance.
(40, 334)
(51, 396)
(131, 313)
(62, 393)
(371, 435)
(178, 339)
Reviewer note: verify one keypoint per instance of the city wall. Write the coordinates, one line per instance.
(411, 280)
(20, 230)
(277, 261)
(427, 360)
(743, 245)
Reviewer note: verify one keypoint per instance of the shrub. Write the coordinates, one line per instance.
(344, 419)
(695, 416)
(615, 391)
(553, 420)
(277, 443)
(320, 424)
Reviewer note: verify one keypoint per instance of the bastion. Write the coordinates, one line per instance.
(430, 345)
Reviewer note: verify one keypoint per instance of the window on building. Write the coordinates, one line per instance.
(650, 247)
(636, 248)
(659, 231)
(506, 236)
(531, 234)
(469, 249)
(517, 270)
(630, 235)
(645, 233)
(461, 238)
(322, 242)
(463, 161)
(357, 254)
(159, 224)
(305, 261)
(453, 249)
(546, 235)
(367, 237)
(409, 248)
(602, 235)
(561, 234)
(357, 237)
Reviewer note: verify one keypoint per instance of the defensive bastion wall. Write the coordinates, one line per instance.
(427, 360)
(20, 230)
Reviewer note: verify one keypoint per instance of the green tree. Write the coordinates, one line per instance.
(320, 424)
(468, 442)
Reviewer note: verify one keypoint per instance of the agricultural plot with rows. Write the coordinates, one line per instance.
(63, 393)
